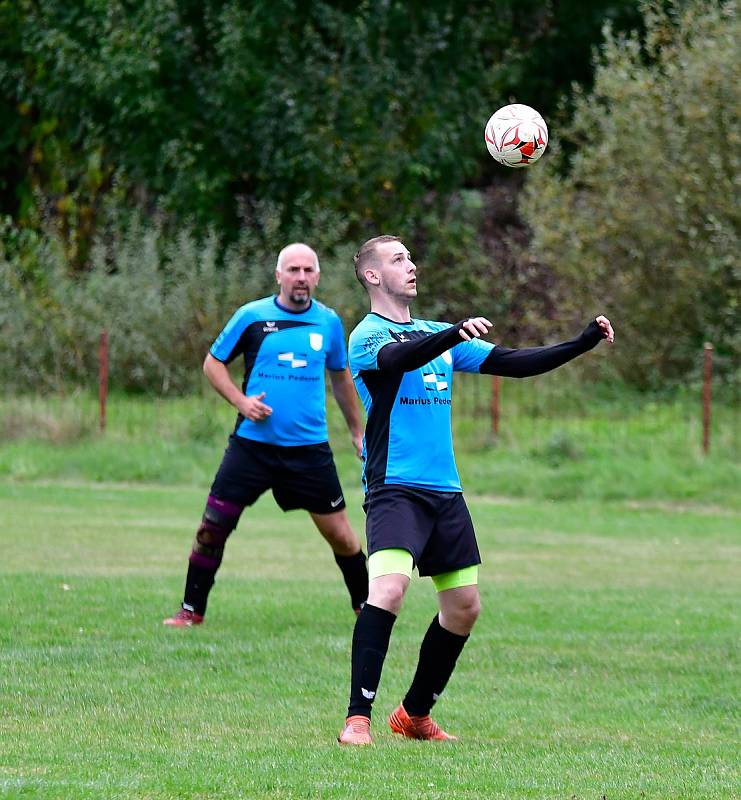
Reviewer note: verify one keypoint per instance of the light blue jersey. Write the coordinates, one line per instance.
(285, 355)
(408, 438)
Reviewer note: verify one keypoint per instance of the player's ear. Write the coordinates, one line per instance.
(372, 276)
(277, 276)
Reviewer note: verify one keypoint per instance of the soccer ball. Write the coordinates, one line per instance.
(516, 135)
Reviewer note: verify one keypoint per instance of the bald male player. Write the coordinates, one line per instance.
(280, 437)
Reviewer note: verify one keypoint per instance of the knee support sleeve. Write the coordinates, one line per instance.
(219, 520)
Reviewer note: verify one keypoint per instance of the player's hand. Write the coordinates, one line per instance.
(357, 441)
(474, 327)
(254, 409)
(606, 328)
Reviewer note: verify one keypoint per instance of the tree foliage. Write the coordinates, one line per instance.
(205, 109)
(236, 126)
(645, 224)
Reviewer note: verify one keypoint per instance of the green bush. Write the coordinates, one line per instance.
(162, 299)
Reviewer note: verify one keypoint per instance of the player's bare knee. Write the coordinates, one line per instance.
(344, 543)
(335, 528)
(470, 610)
(461, 616)
(388, 593)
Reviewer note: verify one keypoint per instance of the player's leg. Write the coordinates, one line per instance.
(308, 479)
(453, 543)
(348, 554)
(398, 525)
(390, 572)
(459, 600)
(441, 646)
(220, 518)
(240, 480)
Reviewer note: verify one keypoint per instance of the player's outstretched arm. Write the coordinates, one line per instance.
(407, 356)
(218, 376)
(529, 361)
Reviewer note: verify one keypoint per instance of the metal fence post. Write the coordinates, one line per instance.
(706, 396)
(496, 382)
(103, 376)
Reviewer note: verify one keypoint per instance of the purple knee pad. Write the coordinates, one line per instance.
(219, 520)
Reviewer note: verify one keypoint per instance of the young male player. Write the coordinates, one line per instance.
(280, 439)
(416, 516)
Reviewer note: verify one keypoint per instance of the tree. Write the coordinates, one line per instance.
(205, 109)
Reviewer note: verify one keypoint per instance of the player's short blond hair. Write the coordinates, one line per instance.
(368, 254)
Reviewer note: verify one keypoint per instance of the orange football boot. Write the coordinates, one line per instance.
(356, 731)
(416, 727)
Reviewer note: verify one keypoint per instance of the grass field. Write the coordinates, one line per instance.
(605, 664)
(558, 441)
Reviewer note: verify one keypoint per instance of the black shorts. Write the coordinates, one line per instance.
(300, 477)
(435, 527)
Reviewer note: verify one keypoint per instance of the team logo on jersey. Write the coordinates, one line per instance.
(292, 360)
(433, 382)
(408, 336)
(269, 327)
(316, 340)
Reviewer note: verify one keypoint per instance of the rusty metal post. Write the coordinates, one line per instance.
(706, 396)
(103, 377)
(496, 383)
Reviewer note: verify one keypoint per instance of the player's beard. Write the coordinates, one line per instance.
(301, 296)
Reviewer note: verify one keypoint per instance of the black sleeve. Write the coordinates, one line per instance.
(536, 360)
(406, 356)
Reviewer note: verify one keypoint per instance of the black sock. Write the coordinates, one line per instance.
(355, 573)
(198, 583)
(437, 656)
(370, 641)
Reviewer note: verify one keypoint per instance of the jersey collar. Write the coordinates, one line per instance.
(290, 310)
(388, 319)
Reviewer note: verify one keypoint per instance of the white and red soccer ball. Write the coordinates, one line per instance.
(516, 135)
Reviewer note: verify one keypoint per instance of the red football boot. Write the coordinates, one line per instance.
(184, 619)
